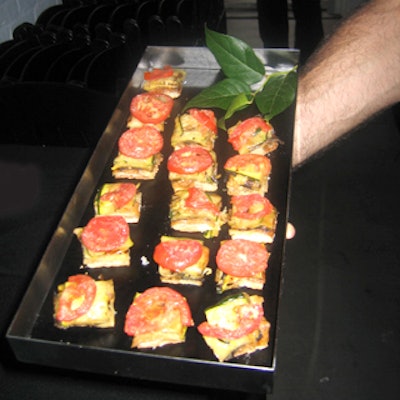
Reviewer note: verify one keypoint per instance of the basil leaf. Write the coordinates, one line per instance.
(277, 94)
(236, 59)
(219, 95)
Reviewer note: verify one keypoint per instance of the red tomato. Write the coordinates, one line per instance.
(245, 161)
(251, 206)
(241, 132)
(151, 108)
(154, 308)
(141, 142)
(105, 233)
(248, 317)
(158, 73)
(242, 258)
(177, 255)
(120, 194)
(189, 160)
(205, 117)
(80, 289)
(198, 199)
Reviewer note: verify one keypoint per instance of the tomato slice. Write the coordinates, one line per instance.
(120, 194)
(105, 233)
(189, 160)
(248, 318)
(251, 206)
(141, 142)
(255, 162)
(242, 258)
(151, 108)
(244, 130)
(198, 199)
(178, 254)
(154, 308)
(158, 73)
(76, 298)
(205, 117)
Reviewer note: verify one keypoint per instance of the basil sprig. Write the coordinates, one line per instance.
(243, 72)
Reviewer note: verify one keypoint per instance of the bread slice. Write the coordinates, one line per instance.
(101, 313)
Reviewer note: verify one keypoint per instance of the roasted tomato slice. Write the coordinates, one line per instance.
(158, 73)
(76, 298)
(198, 199)
(189, 160)
(251, 206)
(151, 108)
(245, 130)
(120, 194)
(105, 233)
(140, 142)
(154, 308)
(242, 258)
(178, 254)
(248, 319)
(249, 162)
(205, 117)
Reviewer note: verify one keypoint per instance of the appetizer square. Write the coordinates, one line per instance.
(241, 263)
(247, 173)
(182, 261)
(252, 217)
(166, 80)
(157, 317)
(195, 127)
(194, 210)
(150, 109)
(105, 242)
(139, 154)
(82, 301)
(235, 326)
(193, 166)
(119, 199)
(253, 135)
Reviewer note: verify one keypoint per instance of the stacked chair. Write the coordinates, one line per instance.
(62, 76)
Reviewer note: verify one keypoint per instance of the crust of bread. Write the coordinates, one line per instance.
(101, 313)
(226, 282)
(124, 170)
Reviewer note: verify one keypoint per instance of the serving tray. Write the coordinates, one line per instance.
(32, 334)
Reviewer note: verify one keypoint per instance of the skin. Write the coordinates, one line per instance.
(353, 76)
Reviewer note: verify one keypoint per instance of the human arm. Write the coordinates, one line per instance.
(354, 75)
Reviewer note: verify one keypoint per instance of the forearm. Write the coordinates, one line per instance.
(354, 75)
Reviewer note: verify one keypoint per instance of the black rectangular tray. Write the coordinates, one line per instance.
(32, 334)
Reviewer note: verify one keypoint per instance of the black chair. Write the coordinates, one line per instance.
(144, 11)
(120, 14)
(27, 31)
(167, 8)
(101, 14)
(37, 66)
(175, 31)
(45, 17)
(157, 32)
(77, 15)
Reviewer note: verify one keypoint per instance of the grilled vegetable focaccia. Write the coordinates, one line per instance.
(241, 263)
(105, 242)
(139, 154)
(158, 316)
(119, 199)
(82, 301)
(247, 173)
(182, 260)
(193, 166)
(252, 217)
(195, 127)
(235, 326)
(253, 135)
(150, 109)
(166, 80)
(194, 210)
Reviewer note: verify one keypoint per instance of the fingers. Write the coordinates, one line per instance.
(290, 231)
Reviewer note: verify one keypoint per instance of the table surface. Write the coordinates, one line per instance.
(339, 335)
